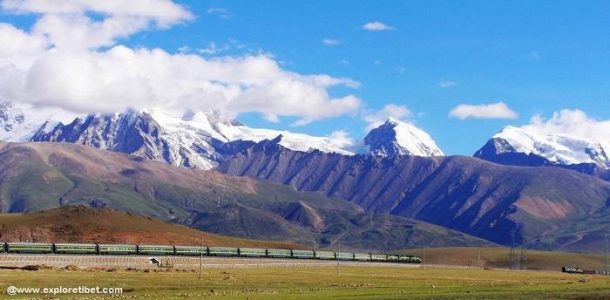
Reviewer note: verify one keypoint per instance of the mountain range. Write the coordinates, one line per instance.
(504, 204)
(519, 188)
(197, 139)
(42, 176)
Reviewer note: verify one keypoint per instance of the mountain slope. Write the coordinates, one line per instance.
(501, 203)
(40, 176)
(82, 224)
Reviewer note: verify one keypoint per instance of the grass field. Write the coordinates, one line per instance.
(322, 283)
(498, 257)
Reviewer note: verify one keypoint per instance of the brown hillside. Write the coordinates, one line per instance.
(83, 224)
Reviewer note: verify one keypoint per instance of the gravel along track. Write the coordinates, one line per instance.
(177, 262)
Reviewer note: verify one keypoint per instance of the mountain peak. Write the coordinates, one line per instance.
(395, 137)
(392, 120)
(551, 148)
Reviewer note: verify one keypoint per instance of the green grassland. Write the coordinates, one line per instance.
(352, 282)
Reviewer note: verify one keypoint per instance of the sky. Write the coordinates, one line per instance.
(460, 70)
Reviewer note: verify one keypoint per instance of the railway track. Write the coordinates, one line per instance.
(176, 262)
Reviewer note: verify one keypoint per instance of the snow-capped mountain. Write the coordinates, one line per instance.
(18, 123)
(194, 139)
(226, 130)
(395, 138)
(517, 146)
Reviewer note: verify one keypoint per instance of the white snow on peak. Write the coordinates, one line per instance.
(294, 141)
(18, 121)
(395, 137)
(414, 140)
(194, 125)
(558, 148)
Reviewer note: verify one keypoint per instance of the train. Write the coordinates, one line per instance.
(577, 270)
(176, 250)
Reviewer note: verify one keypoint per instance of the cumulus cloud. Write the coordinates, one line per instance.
(394, 111)
(572, 122)
(331, 42)
(69, 60)
(66, 25)
(376, 26)
(483, 111)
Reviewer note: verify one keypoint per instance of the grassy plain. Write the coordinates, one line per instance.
(499, 257)
(352, 282)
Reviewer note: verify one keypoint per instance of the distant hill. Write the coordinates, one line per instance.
(42, 176)
(81, 224)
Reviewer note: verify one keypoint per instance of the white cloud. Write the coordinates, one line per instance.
(483, 111)
(222, 12)
(214, 49)
(211, 49)
(331, 42)
(376, 118)
(573, 123)
(376, 26)
(66, 25)
(447, 84)
(76, 64)
(162, 12)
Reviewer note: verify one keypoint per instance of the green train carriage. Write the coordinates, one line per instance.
(156, 250)
(29, 248)
(223, 251)
(67, 248)
(252, 252)
(409, 259)
(279, 253)
(362, 256)
(303, 254)
(191, 250)
(117, 249)
(379, 257)
(393, 258)
(324, 255)
(344, 255)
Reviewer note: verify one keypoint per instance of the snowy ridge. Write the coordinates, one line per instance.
(395, 138)
(214, 125)
(556, 148)
(19, 122)
(194, 139)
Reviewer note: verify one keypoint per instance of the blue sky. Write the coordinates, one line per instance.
(537, 57)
